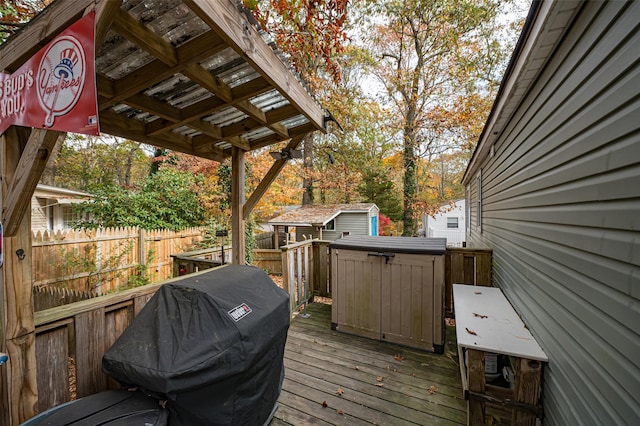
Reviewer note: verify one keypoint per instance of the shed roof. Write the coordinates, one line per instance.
(318, 215)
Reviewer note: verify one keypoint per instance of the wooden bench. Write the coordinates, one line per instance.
(486, 323)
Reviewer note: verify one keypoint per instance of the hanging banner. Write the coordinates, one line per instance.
(56, 88)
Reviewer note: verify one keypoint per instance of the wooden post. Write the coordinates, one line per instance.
(475, 407)
(18, 386)
(528, 377)
(141, 252)
(237, 205)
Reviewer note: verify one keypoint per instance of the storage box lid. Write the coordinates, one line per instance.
(415, 245)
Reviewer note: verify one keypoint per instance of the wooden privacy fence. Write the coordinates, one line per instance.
(106, 260)
(466, 266)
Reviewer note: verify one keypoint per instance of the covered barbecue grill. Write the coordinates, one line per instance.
(211, 345)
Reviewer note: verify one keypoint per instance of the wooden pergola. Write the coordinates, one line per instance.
(194, 76)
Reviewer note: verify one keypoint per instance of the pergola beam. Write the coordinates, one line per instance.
(54, 20)
(269, 178)
(32, 162)
(234, 28)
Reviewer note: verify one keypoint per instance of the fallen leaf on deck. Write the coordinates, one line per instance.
(413, 374)
(379, 378)
(477, 292)
(357, 368)
(432, 389)
(379, 385)
(398, 357)
(339, 391)
(471, 331)
(340, 412)
(450, 322)
(324, 404)
(479, 316)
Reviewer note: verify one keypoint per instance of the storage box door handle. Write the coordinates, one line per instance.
(385, 255)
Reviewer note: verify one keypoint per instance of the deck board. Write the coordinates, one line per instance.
(334, 378)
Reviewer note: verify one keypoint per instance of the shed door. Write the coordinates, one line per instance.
(407, 297)
(374, 226)
(356, 307)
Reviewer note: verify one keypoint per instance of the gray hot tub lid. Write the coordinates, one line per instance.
(414, 245)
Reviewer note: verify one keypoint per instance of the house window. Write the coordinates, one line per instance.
(452, 222)
(69, 217)
(331, 225)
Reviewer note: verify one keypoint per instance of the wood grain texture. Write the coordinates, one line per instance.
(335, 378)
(224, 17)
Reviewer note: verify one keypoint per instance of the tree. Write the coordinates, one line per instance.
(14, 14)
(311, 33)
(167, 200)
(86, 163)
(432, 53)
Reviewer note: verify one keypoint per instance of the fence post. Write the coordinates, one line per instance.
(141, 251)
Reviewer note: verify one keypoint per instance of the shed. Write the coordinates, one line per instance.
(390, 288)
(330, 221)
(554, 190)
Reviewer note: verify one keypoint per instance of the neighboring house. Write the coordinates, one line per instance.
(448, 223)
(52, 210)
(554, 189)
(331, 221)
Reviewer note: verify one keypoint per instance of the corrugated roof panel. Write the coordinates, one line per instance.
(258, 134)
(296, 121)
(168, 87)
(269, 100)
(119, 57)
(178, 25)
(238, 75)
(217, 62)
(187, 131)
(226, 117)
(147, 11)
(189, 96)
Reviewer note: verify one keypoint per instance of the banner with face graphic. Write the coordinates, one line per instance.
(56, 88)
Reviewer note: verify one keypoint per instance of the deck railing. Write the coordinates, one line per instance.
(305, 271)
(71, 339)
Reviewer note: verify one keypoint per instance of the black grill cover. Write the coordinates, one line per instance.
(211, 344)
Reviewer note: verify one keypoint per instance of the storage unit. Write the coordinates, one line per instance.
(486, 323)
(390, 288)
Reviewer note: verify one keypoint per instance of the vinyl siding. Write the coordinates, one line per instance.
(561, 210)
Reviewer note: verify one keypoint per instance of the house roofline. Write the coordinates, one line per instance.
(546, 24)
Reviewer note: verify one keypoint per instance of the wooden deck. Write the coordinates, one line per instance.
(333, 378)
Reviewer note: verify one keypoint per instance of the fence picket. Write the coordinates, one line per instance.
(69, 258)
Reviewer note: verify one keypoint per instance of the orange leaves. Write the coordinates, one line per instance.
(310, 32)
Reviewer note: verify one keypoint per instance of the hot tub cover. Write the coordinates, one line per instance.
(211, 344)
